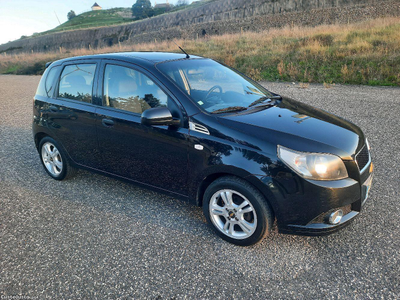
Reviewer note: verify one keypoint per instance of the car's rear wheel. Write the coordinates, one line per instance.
(237, 211)
(54, 160)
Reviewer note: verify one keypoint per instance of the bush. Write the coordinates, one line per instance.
(142, 9)
(71, 15)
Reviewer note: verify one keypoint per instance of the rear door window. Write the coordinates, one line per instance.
(76, 82)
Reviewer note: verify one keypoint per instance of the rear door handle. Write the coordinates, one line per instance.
(53, 108)
(107, 122)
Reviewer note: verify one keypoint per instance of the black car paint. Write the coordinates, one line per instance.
(243, 144)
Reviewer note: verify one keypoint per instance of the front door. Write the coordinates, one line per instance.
(155, 156)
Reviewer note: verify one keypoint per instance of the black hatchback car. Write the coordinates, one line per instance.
(199, 130)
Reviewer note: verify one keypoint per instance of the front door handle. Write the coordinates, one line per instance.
(107, 122)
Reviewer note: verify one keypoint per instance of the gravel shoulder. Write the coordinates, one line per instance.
(97, 237)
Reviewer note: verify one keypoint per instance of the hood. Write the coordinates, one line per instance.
(300, 127)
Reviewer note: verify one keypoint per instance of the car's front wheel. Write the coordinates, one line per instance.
(237, 211)
(54, 159)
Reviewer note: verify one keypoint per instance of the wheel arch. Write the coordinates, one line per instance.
(204, 184)
(38, 137)
(249, 178)
(41, 135)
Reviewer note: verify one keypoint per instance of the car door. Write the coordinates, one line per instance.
(153, 155)
(75, 112)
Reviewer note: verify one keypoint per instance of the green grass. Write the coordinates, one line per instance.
(13, 69)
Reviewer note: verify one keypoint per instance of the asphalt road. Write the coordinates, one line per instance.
(96, 237)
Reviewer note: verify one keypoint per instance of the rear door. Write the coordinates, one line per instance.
(155, 156)
(76, 114)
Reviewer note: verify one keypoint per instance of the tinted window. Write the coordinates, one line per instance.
(46, 85)
(128, 89)
(76, 82)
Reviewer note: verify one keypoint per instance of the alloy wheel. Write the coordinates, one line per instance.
(233, 214)
(52, 159)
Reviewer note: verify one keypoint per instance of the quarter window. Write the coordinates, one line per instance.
(46, 86)
(76, 82)
(130, 90)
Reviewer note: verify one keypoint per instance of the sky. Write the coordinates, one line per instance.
(25, 17)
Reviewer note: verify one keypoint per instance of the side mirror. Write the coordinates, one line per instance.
(158, 116)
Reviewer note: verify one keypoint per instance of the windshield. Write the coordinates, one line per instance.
(214, 87)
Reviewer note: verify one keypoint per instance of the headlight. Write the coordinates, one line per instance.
(317, 166)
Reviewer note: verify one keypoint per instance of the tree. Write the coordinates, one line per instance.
(142, 9)
(182, 3)
(71, 15)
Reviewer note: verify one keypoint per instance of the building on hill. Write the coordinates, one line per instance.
(161, 5)
(96, 6)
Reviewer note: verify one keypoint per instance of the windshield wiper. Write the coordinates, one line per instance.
(262, 99)
(229, 109)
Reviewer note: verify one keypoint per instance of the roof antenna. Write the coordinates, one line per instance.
(187, 55)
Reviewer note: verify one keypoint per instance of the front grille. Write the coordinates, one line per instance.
(362, 158)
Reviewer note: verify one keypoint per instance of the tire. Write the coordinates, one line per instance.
(55, 160)
(237, 211)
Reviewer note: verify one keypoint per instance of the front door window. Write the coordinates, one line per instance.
(130, 90)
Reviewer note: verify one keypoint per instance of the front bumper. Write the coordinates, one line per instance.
(307, 209)
(319, 228)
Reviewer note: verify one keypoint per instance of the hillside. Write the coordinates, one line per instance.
(113, 16)
(361, 53)
(341, 41)
(96, 18)
(200, 20)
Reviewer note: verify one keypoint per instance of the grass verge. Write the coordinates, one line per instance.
(362, 53)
